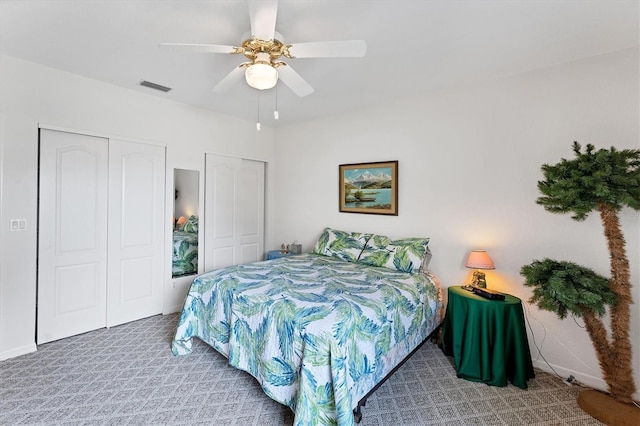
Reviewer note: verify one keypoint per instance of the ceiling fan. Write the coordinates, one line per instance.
(264, 51)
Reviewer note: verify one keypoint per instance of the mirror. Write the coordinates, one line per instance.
(185, 222)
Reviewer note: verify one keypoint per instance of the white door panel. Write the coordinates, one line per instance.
(223, 194)
(72, 234)
(251, 196)
(250, 253)
(136, 192)
(77, 288)
(220, 206)
(136, 206)
(249, 202)
(221, 257)
(134, 279)
(234, 211)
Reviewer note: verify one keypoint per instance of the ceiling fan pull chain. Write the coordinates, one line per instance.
(258, 126)
(276, 114)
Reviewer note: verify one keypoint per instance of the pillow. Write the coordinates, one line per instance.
(404, 255)
(191, 225)
(343, 245)
(424, 267)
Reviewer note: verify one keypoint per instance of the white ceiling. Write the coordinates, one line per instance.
(412, 46)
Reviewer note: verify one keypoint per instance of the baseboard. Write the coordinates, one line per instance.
(175, 292)
(18, 351)
(171, 309)
(582, 378)
(587, 380)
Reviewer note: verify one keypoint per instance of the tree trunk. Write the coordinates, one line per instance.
(621, 384)
(598, 334)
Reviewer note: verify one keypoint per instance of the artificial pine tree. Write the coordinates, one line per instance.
(606, 181)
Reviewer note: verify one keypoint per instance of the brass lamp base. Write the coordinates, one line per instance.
(479, 279)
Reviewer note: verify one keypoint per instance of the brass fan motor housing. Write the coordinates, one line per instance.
(274, 48)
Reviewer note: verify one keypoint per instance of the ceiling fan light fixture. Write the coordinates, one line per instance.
(264, 48)
(261, 76)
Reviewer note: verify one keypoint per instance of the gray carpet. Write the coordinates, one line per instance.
(127, 375)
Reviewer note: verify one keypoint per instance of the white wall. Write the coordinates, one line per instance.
(32, 95)
(469, 162)
(187, 183)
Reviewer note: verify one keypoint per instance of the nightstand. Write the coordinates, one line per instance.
(487, 338)
(276, 254)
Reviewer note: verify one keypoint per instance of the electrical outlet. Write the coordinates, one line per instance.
(14, 225)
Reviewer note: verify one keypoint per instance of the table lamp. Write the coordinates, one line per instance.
(181, 221)
(479, 259)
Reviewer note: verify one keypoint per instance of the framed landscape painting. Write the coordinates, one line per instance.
(369, 188)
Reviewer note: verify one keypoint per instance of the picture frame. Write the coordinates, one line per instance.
(370, 188)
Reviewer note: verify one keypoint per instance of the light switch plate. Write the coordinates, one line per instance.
(18, 224)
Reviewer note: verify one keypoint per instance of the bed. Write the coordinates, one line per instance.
(318, 331)
(185, 248)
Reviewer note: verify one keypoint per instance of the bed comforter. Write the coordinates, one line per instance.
(316, 332)
(185, 253)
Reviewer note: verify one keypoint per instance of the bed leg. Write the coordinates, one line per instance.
(436, 336)
(357, 414)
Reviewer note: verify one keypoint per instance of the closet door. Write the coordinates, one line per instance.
(136, 236)
(234, 211)
(251, 210)
(72, 235)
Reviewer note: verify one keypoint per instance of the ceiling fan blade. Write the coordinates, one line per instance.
(329, 49)
(230, 79)
(262, 14)
(292, 79)
(211, 48)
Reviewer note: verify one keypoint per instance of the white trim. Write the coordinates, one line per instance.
(584, 379)
(173, 309)
(18, 351)
(240, 156)
(98, 134)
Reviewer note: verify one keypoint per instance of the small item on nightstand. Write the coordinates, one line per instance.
(296, 248)
(488, 294)
(284, 249)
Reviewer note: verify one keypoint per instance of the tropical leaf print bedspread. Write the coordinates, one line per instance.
(185, 253)
(316, 332)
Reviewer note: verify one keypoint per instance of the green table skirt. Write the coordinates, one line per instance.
(487, 339)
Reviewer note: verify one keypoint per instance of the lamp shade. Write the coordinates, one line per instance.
(261, 74)
(479, 259)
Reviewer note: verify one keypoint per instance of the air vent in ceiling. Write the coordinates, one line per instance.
(154, 86)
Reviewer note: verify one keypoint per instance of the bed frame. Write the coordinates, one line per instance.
(357, 412)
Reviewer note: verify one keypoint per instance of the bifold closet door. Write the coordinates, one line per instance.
(234, 211)
(136, 231)
(72, 235)
(101, 233)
